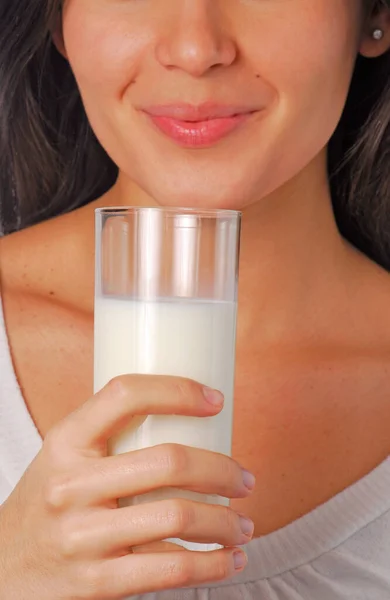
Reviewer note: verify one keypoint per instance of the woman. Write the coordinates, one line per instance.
(276, 108)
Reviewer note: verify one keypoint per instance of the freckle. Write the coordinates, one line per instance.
(51, 293)
(257, 76)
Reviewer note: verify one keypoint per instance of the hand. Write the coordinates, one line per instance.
(62, 533)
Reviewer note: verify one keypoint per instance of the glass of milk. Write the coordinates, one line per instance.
(166, 303)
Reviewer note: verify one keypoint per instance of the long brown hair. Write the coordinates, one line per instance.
(51, 162)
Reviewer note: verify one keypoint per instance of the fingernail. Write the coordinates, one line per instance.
(249, 479)
(247, 526)
(240, 560)
(214, 397)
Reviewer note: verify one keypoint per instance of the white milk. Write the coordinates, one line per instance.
(188, 338)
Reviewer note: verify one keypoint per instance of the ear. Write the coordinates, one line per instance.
(57, 35)
(370, 46)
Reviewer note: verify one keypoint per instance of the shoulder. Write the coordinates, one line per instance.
(47, 294)
(52, 259)
(48, 326)
(26, 255)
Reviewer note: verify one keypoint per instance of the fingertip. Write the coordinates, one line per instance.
(240, 559)
(213, 397)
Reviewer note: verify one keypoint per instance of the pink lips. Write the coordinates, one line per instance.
(198, 126)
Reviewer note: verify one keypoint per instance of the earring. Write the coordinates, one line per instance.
(378, 34)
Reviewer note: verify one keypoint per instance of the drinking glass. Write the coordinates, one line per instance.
(166, 303)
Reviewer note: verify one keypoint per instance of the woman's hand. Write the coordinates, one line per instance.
(62, 535)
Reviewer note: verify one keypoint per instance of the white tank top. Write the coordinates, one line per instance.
(339, 551)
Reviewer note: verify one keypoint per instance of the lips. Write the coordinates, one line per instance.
(198, 126)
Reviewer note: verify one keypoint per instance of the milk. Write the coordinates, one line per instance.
(183, 337)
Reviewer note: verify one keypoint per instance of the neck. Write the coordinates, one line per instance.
(293, 259)
(291, 253)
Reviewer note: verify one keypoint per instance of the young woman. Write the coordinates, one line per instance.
(278, 108)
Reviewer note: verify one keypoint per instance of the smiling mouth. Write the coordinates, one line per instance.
(198, 126)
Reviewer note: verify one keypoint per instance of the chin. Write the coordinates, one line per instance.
(200, 198)
(202, 189)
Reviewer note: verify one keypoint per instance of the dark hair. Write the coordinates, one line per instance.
(51, 162)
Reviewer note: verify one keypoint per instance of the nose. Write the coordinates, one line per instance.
(196, 40)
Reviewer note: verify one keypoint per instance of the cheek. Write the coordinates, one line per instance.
(309, 63)
(308, 57)
(104, 53)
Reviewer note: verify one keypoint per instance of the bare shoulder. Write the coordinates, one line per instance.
(27, 256)
(50, 259)
(47, 293)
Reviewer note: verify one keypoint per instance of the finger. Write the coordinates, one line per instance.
(142, 471)
(107, 533)
(139, 573)
(174, 518)
(111, 409)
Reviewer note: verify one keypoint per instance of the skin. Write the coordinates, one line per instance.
(313, 343)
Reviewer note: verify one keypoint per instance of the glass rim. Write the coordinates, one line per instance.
(197, 212)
